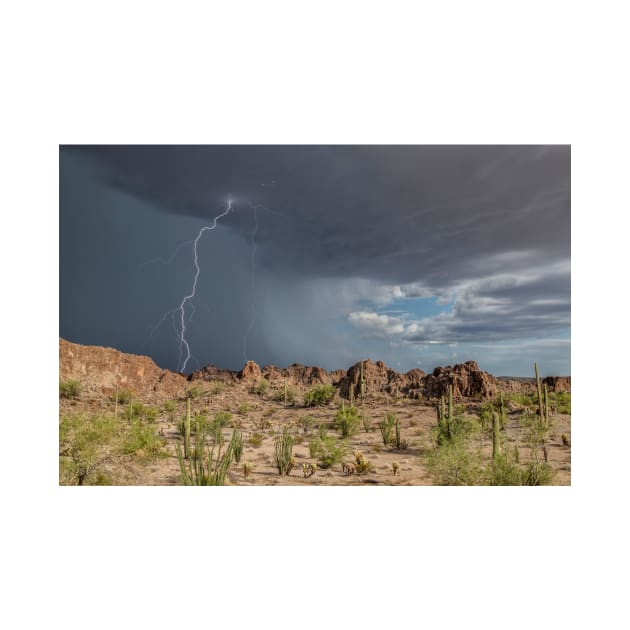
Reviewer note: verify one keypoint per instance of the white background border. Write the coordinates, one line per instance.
(325, 72)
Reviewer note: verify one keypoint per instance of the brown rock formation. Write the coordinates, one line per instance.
(558, 383)
(379, 379)
(105, 369)
(250, 372)
(467, 379)
(212, 373)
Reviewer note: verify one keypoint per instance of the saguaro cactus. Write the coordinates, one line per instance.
(496, 438)
(541, 409)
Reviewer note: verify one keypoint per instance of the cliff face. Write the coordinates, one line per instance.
(105, 369)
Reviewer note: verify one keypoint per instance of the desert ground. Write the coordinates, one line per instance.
(260, 412)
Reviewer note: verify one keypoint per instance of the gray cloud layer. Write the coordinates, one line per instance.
(484, 229)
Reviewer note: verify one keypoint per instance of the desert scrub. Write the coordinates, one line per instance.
(142, 440)
(243, 409)
(283, 452)
(217, 387)
(256, 439)
(306, 422)
(399, 442)
(205, 468)
(286, 394)
(561, 402)
(386, 427)
(328, 450)
(347, 421)
(318, 396)
(69, 389)
(362, 464)
(193, 392)
(123, 397)
(453, 465)
(367, 422)
(86, 443)
(261, 387)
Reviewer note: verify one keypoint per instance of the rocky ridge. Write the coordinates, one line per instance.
(106, 369)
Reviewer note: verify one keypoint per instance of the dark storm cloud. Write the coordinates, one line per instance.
(396, 213)
(344, 230)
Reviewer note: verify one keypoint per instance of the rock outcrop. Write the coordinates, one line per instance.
(558, 383)
(250, 372)
(467, 379)
(212, 373)
(379, 380)
(104, 370)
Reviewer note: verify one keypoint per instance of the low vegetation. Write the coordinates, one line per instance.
(318, 396)
(69, 389)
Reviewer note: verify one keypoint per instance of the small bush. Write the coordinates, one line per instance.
(256, 439)
(194, 392)
(453, 465)
(69, 389)
(386, 427)
(217, 387)
(142, 440)
(537, 474)
(261, 387)
(367, 422)
(169, 406)
(306, 422)
(362, 464)
(286, 395)
(318, 396)
(329, 451)
(222, 419)
(347, 421)
(243, 409)
(125, 396)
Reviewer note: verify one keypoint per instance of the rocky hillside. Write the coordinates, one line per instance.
(105, 369)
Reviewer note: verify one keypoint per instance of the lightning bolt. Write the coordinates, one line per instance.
(252, 320)
(183, 342)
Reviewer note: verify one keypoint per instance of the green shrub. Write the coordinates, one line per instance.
(69, 389)
(386, 427)
(142, 439)
(217, 387)
(537, 474)
(261, 387)
(561, 401)
(328, 450)
(243, 409)
(85, 444)
(319, 395)
(347, 421)
(306, 422)
(286, 395)
(169, 406)
(194, 392)
(124, 397)
(453, 465)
